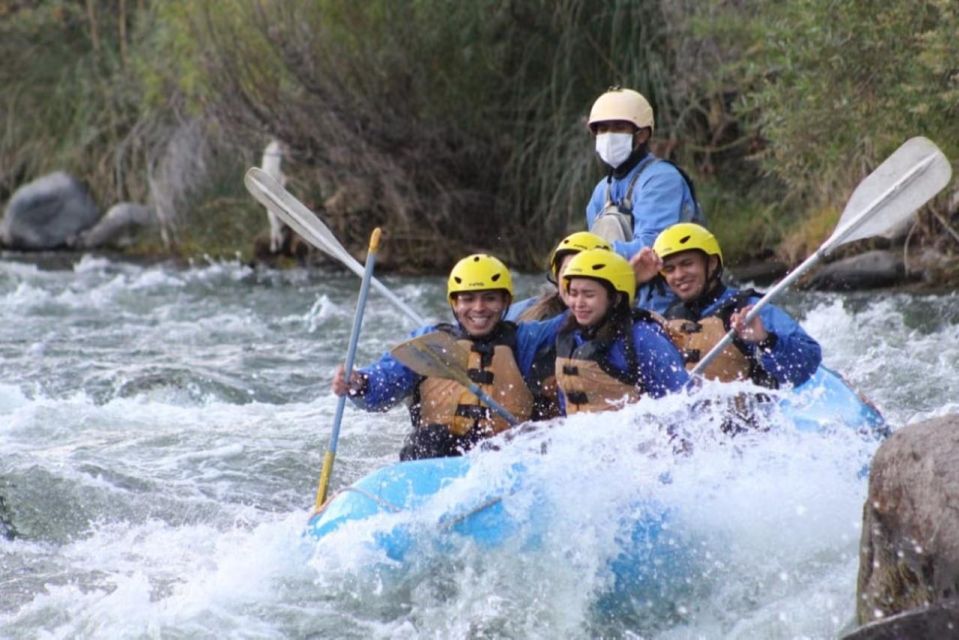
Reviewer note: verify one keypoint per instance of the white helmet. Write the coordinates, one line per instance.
(621, 104)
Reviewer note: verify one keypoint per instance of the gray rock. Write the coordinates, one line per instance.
(909, 551)
(47, 213)
(762, 273)
(940, 620)
(117, 227)
(867, 270)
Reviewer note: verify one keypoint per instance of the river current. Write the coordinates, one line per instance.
(162, 430)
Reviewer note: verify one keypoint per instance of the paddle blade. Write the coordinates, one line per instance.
(435, 355)
(272, 195)
(907, 180)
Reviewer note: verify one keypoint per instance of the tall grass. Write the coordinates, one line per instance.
(460, 126)
(457, 126)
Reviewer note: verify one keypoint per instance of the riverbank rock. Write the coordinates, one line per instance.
(762, 273)
(47, 213)
(864, 271)
(909, 551)
(117, 228)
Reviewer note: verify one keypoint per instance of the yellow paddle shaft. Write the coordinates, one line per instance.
(324, 479)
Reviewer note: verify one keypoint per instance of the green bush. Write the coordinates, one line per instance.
(835, 87)
(460, 126)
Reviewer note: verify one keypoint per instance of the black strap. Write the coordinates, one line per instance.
(479, 376)
(485, 350)
(474, 411)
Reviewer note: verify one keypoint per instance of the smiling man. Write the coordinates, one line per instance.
(772, 350)
(447, 418)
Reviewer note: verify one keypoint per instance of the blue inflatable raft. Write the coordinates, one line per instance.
(646, 553)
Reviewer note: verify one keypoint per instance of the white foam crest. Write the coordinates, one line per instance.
(886, 347)
(27, 297)
(214, 270)
(156, 278)
(20, 270)
(194, 579)
(90, 263)
(42, 418)
(323, 311)
(96, 296)
(12, 398)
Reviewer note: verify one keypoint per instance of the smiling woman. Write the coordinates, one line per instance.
(609, 354)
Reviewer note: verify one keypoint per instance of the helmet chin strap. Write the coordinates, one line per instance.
(713, 279)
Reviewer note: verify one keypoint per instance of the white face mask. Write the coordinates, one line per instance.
(614, 148)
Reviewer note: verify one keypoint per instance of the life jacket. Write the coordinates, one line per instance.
(542, 382)
(695, 338)
(492, 366)
(616, 221)
(589, 380)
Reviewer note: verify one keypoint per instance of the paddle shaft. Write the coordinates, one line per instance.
(497, 408)
(844, 231)
(281, 202)
(350, 357)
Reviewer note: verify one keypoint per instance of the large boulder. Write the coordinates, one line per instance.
(935, 622)
(47, 213)
(867, 270)
(909, 552)
(118, 228)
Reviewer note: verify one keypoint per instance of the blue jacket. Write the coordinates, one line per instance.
(794, 357)
(390, 382)
(659, 365)
(661, 198)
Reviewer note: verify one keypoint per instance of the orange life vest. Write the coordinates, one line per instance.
(587, 378)
(492, 366)
(695, 338)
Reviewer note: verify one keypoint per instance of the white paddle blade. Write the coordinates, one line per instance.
(907, 180)
(436, 355)
(272, 195)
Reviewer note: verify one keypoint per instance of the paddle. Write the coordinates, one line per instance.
(350, 356)
(908, 179)
(439, 355)
(272, 195)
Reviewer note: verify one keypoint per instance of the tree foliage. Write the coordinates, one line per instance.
(459, 126)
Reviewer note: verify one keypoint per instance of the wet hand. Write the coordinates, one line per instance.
(754, 332)
(646, 265)
(340, 386)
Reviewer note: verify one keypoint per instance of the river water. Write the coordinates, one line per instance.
(162, 430)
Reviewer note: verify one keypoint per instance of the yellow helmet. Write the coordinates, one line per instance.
(574, 243)
(479, 272)
(621, 104)
(601, 264)
(685, 236)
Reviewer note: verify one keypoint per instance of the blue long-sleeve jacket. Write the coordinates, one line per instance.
(388, 381)
(794, 357)
(661, 198)
(659, 365)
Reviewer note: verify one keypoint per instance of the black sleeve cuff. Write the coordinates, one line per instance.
(769, 342)
(360, 390)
